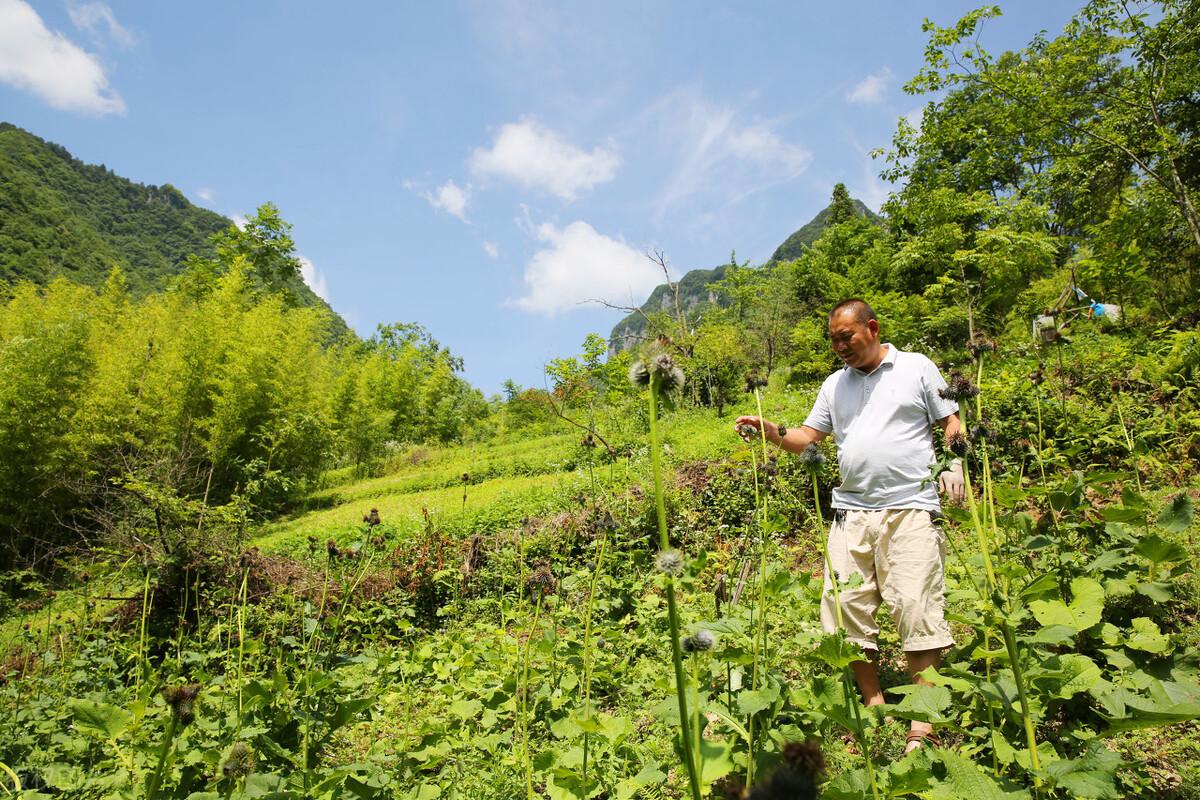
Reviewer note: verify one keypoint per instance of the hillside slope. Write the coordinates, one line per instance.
(62, 217)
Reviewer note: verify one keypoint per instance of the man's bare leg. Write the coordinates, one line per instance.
(866, 675)
(918, 661)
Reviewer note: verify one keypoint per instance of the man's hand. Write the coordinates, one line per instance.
(742, 426)
(952, 483)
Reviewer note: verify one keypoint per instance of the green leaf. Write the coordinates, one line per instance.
(751, 701)
(648, 775)
(101, 718)
(1147, 637)
(835, 651)
(1085, 610)
(1177, 517)
(466, 709)
(921, 702)
(716, 760)
(1158, 591)
(966, 779)
(1158, 550)
(1091, 776)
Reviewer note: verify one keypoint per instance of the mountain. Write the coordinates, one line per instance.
(60, 216)
(795, 245)
(694, 295)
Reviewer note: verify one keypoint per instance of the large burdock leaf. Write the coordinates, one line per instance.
(100, 718)
(966, 779)
(1147, 637)
(1177, 517)
(925, 703)
(1087, 605)
(1092, 776)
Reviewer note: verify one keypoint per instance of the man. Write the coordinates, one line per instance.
(881, 409)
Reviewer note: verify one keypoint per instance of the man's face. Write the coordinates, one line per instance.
(854, 342)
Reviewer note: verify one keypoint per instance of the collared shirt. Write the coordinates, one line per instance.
(883, 422)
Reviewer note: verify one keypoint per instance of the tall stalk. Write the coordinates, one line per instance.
(588, 648)
(523, 697)
(672, 609)
(979, 520)
(758, 642)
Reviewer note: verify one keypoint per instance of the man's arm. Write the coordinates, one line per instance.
(794, 441)
(952, 482)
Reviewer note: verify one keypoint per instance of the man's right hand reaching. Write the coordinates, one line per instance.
(758, 424)
(794, 440)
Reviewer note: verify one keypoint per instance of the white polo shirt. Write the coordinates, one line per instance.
(883, 424)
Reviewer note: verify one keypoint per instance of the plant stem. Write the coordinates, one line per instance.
(524, 697)
(168, 740)
(587, 649)
(672, 610)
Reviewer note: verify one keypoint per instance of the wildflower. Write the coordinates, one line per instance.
(669, 562)
(182, 700)
(811, 458)
(332, 550)
(979, 345)
(699, 642)
(542, 581)
(466, 477)
(239, 761)
(960, 388)
(372, 518)
(958, 443)
(1038, 376)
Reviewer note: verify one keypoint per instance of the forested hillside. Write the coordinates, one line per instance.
(248, 563)
(60, 217)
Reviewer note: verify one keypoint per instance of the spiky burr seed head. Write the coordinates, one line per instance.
(542, 582)
(782, 431)
(699, 642)
(959, 444)
(811, 458)
(239, 761)
(182, 700)
(754, 381)
(670, 562)
(980, 344)
(958, 388)
(1038, 376)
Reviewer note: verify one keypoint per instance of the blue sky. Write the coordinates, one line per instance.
(486, 168)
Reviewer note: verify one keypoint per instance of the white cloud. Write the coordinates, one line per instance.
(537, 157)
(314, 278)
(492, 250)
(240, 221)
(717, 152)
(451, 198)
(207, 194)
(871, 89)
(38, 60)
(579, 264)
(98, 22)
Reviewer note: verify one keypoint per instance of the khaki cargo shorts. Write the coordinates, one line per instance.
(900, 554)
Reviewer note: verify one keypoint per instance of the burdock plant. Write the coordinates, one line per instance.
(962, 389)
(662, 377)
(182, 702)
(541, 582)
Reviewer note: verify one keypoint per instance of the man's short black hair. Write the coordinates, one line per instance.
(861, 309)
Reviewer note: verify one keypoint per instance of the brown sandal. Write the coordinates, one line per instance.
(921, 739)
